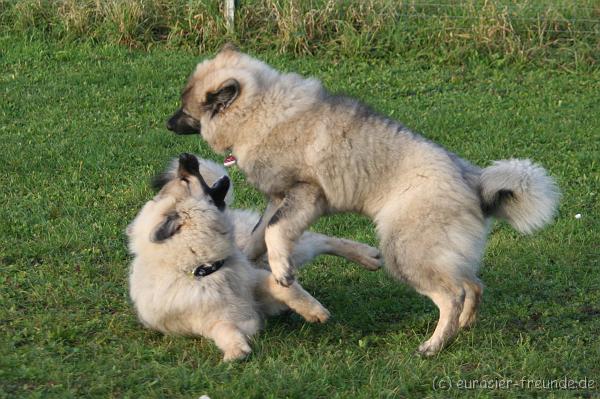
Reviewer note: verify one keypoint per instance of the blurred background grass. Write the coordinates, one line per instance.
(556, 32)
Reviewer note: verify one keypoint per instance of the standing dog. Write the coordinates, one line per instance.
(312, 152)
(190, 277)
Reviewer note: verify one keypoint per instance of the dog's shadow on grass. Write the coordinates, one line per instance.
(363, 303)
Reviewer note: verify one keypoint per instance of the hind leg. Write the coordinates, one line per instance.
(435, 277)
(438, 255)
(450, 304)
(310, 245)
(473, 293)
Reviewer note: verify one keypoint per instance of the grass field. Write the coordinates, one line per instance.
(557, 33)
(82, 131)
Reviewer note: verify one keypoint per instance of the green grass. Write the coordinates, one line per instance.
(82, 131)
(559, 33)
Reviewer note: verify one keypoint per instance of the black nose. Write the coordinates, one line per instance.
(170, 124)
(174, 120)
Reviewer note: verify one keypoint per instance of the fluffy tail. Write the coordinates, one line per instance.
(520, 192)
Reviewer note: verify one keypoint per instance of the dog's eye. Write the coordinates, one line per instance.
(185, 179)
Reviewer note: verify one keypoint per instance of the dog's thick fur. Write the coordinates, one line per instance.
(185, 226)
(312, 152)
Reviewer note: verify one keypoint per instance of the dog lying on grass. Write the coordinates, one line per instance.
(189, 275)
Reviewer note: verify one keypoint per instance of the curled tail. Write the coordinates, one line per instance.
(520, 192)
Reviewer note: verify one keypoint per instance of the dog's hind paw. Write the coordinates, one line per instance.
(371, 258)
(238, 352)
(365, 255)
(428, 348)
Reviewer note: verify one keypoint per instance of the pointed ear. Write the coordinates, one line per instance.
(167, 228)
(223, 97)
(188, 165)
(218, 191)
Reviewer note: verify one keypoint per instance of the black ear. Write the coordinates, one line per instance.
(188, 165)
(218, 191)
(167, 228)
(223, 97)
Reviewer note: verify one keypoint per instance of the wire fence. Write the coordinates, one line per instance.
(541, 7)
(546, 16)
(542, 20)
(561, 31)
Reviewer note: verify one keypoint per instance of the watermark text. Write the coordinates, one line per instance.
(493, 383)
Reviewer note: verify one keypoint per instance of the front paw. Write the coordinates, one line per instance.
(317, 314)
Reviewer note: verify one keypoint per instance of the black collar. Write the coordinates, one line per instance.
(205, 269)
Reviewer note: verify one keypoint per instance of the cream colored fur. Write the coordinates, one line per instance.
(312, 152)
(228, 305)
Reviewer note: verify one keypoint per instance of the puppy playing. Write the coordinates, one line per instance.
(312, 152)
(189, 277)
